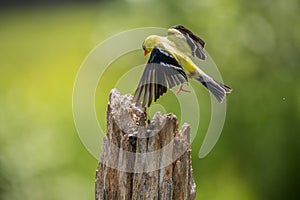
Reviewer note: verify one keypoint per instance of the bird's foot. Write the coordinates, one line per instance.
(181, 89)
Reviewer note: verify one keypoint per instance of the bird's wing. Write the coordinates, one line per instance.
(195, 43)
(161, 72)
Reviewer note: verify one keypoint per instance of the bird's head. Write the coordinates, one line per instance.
(148, 44)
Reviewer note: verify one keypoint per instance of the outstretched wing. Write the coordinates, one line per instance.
(161, 72)
(195, 43)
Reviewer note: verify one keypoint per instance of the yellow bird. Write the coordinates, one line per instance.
(170, 64)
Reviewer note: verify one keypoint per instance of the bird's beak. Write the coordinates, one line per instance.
(145, 52)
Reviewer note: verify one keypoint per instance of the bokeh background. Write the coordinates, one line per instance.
(256, 45)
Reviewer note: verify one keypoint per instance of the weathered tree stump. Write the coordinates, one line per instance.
(142, 159)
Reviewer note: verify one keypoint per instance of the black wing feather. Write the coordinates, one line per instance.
(161, 72)
(195, 43)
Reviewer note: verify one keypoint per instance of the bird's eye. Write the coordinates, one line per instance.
(144, 48)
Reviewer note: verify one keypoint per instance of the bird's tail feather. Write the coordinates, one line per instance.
(218, 89)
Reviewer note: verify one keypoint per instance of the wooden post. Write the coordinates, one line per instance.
(142, 159)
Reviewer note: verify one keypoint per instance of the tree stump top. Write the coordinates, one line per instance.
(143, 159)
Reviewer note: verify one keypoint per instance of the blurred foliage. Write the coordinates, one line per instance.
(255, 44)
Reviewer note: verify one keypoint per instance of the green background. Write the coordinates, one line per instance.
(255, 44)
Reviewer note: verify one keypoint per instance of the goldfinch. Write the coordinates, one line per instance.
(170, 64)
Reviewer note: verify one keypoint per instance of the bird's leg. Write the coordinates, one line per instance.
(181, 89)
(189, 75)
(192, 74)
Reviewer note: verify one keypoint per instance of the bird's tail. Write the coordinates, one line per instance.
(218, 89)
